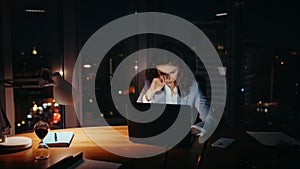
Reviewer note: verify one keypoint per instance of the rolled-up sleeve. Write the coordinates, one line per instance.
(201, 105)
(142, 97)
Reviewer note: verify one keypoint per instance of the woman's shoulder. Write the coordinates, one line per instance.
(194, 88)
(194, 85)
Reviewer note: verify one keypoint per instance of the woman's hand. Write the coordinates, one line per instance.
(156, 85)
(195, 131)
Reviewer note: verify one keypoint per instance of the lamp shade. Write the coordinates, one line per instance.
(62, 90)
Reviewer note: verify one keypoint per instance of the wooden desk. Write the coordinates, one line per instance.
(177, 157)
(247, 153)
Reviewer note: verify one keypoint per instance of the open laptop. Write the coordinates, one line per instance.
(160, 124)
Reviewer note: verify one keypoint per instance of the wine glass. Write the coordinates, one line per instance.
(42, 151)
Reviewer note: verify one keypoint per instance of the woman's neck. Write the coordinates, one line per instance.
(172, 87)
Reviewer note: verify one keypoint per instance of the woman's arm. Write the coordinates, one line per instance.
(150, 89)
(142, 97)
(202, 106)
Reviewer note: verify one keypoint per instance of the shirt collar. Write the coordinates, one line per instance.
(169, 89)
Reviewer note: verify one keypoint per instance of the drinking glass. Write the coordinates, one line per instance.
(42, 151)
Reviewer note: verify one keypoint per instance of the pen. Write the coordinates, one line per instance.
(55, 136)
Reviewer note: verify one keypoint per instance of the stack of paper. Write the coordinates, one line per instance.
(273, 138)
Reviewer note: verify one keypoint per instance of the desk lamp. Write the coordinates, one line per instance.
(62, 92)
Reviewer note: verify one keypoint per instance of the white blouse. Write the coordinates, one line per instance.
(170, 98)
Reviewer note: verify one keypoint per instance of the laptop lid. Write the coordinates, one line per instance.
(137, 131)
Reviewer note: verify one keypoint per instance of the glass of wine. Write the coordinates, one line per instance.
(42, 151)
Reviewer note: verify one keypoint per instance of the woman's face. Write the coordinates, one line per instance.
(169, 74)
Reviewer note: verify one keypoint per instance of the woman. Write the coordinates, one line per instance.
(172, 83)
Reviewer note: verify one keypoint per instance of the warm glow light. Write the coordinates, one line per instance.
(282, 62)
(45, 105)
(19, 124)
(260, 102)
(34, 108)
(56, 109)
(222, 14)
(56, 117)
(35, 10)
(220, 47)
(87, 66)
(23, 122)
(130, 90)
(34, 51)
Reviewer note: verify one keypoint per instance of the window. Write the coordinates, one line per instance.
(36, 47)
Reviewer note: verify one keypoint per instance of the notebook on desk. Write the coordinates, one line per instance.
(160, 124)
(59, 139)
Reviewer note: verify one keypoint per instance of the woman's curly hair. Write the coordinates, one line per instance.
(184, 79)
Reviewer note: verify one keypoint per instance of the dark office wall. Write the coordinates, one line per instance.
(1, 57)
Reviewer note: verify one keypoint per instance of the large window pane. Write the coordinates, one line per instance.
(36, 48)
(95, 14)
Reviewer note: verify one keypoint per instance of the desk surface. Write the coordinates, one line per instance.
(177, 157)
(245, 152)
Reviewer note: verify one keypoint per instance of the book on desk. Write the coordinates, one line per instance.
(77, 161)
(59, 139)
